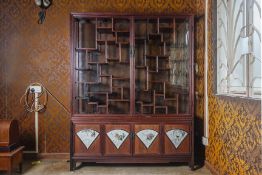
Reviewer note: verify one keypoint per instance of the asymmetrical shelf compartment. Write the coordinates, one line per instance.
(132, 88)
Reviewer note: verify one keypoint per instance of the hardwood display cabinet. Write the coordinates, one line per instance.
(132, 88)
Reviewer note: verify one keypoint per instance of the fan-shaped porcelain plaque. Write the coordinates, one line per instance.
(176, 136)
(117, 136)
(87, 136)
(147, 136)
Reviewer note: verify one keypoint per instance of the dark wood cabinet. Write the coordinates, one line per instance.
(132, 88)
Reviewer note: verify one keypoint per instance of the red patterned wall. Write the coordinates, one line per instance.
(30, 52)
(40, 53)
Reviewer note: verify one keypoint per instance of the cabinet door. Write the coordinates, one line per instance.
(101, 61)
(117, 141)
(146, 139)
(162, 65)
(177, 138)
(87, 140)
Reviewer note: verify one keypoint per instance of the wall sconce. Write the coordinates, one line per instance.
(43, 4)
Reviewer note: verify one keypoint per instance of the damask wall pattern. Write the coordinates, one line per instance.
(234, 128)
(199, 60)
(41, 53)
(30, 52)
(2, 87)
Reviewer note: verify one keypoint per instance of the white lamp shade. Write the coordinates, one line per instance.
(43, 3)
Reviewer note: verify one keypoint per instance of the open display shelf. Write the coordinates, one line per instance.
(132, 88)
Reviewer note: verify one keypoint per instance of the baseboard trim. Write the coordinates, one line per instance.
(59, 156)
(211, 168)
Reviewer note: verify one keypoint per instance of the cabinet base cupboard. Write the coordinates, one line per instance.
(132, 88)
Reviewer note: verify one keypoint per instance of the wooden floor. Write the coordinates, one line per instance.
(62, 168)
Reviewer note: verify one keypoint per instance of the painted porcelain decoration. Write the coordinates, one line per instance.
(117, 136)
(87, 136)
(147, 136)
(176, 136)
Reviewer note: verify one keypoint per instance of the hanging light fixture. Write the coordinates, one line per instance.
(43, 4)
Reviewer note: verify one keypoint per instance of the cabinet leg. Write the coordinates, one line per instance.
(20, 168)
(9, 172)
(72, 165)
(192, 165)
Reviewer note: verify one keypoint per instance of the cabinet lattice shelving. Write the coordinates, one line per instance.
(132, 88)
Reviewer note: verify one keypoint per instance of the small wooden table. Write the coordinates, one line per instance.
(10, 160)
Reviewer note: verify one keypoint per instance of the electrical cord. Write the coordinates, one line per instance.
(41, 16)
(30, 105)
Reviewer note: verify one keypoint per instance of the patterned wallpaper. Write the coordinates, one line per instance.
(40, 53)
(235, 129)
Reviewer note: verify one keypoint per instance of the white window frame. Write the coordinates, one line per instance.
(235, 30)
